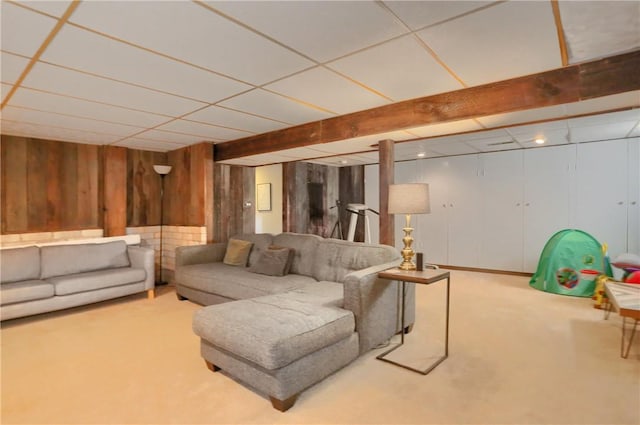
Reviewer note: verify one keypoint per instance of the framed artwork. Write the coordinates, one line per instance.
(264, 197)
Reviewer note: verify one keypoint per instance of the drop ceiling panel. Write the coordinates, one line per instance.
(445, 128)
(23, 31)
(595, 29)
(149, 145)
(419, 14)
(72, 83)
(530, 132)
(610, 118)
(629, 99)
(360, 144)
(304, 153)
(40, 131)
(204, 131)
(167, 136)
(449, 146)
(488, 45)
(34, 99)
(275, 106)
(233, 119)
(320, 29)
(599, 132)
(65, 121)
(269, 158)
(636, 131)
(537, 114)
(550, 136)
(5, 89)
(89, 52)
(12, 67)
(194, 34)
(494, 144)
(328, 90)
(55, 8)
(415, 72)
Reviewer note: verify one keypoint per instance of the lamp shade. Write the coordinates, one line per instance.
(409, 198)
(162, 169)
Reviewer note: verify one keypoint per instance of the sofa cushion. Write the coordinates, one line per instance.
(261, 242)
(60, 260)
(27, 290)
(235, 282)
(319, 293)
(273, 262)
(237, 253)
(336, 258)
(272, 331)
(18, 264)
(82, 282)
(305, 247)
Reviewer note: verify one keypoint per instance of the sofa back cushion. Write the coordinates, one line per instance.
(237, 253)
(304, 246)
(336, 258)
(59, 260)
(19, 264)
(261, 242)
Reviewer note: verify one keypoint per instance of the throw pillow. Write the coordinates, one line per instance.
(272, 262)
(627, 261)
(291, 252)
(237, 252)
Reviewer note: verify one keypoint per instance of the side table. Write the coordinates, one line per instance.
(425, 277)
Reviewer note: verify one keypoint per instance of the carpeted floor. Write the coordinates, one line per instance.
(517, 356)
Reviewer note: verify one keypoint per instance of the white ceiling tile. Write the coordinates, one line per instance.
(12, 67)
(320, 29)
(52, 7)
(168, 136)
(4, 90)
(419, 14)
(304, 153)
(40, 131)
(610, 118)
(451, 148)
(194, 34)
(271, 105)
(89, 52)
(604, 103)
(445, 128)
(593, 133)
(328, 90)
(510, 118)
(554, 133)
(23, 31)
(360, 144)
(244, 161)
(34, 99)
(151, 145)
(487, 46)
(72, 83)
(270, 158)
(400, 69)
(494, 144)
(65, 121)
(636, 131)
(596, 29)
(233, 119)
(204, 131)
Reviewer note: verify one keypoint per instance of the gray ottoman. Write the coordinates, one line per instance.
(276, 344)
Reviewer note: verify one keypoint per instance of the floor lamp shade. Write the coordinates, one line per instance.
(163, 170)
(409, 198)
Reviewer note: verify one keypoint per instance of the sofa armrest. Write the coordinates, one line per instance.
(143, 258)
(375, 303)
(198, 254)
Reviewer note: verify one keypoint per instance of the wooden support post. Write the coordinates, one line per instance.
(386, 171)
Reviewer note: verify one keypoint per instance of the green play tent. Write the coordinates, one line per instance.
(569, 264)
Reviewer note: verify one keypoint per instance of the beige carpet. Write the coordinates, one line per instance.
(517, 355)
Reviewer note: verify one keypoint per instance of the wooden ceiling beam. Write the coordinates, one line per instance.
(603, 77)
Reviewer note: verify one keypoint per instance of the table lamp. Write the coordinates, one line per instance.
(408, 198)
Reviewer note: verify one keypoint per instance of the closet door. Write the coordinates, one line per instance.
(633, 209)
(433, 235)
(547, 173)
(464, 220)
(602, 189)
(501, 212)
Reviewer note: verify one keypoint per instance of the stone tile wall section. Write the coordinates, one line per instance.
(23, 239)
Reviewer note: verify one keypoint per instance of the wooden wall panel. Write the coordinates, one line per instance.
(49, 185)
(143, 187)
(115, 192)
(234, 186)
(387, 173)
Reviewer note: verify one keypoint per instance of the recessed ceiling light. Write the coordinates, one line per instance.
(539, 141)
(421, 154)
(344, 161)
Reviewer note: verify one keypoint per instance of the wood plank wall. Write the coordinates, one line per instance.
(49, 185)
(235, 185)
(345, 184)
(115, 193)
(143, 187)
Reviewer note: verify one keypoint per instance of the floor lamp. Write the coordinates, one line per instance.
(409, 198)
(163, 170)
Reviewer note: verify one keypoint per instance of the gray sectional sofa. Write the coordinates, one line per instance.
(37, 280)
(283, 334)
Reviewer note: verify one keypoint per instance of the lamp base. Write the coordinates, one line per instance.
(407, 251)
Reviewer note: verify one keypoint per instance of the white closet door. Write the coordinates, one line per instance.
(463, 211)
(633, 210)
(502, 221)
(432, 238)
(546, 198)
(602, 188)
(372, 198)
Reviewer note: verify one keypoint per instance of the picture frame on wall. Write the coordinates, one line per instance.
(264, 197)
